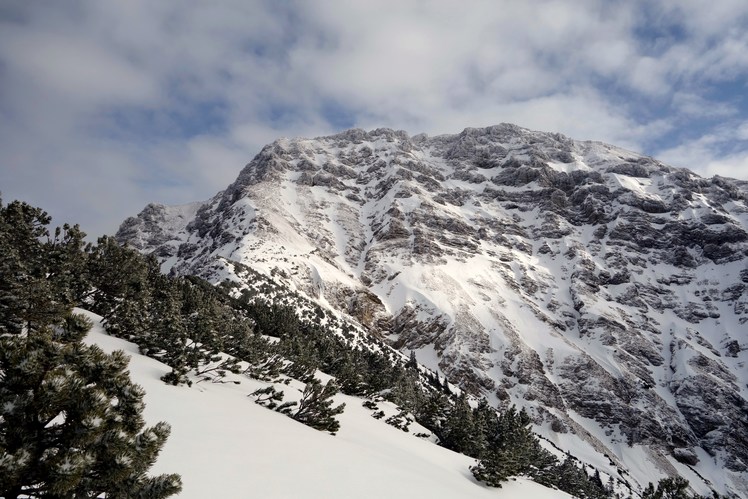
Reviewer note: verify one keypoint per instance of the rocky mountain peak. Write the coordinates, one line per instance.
(599, 288)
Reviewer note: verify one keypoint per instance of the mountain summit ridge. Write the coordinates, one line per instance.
(602, 289)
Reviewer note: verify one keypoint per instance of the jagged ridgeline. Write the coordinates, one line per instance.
(601, 290)
(250, 326)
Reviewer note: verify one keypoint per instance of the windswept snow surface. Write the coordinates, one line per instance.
(224, 445)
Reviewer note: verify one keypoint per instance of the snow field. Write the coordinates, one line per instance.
(225, 445)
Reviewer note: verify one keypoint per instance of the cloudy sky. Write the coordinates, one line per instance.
(108, 105)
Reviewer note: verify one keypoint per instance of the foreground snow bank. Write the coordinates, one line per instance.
(224, 445)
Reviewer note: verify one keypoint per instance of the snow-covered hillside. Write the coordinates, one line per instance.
(224, 445)
(602, 290)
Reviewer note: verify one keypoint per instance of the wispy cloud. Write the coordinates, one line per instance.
(722, 151)
(105, 106)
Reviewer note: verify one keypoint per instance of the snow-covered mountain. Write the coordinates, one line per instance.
(601, 289)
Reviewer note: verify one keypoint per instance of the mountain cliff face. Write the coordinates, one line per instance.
(603, 290)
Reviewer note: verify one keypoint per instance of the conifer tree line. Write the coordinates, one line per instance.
(70, 418)
(202, 332)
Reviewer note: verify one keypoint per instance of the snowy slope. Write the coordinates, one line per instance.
(224, 445)
(602, 290)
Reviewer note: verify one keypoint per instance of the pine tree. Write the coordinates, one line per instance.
(166, 336)
(433, 411)
(379, 375)
(67, 260)
(206, 321)
(405, 390)
(512, 449)
(71, 422)
(27, 297)
(315, 408)
(668, 488)
(458, 432)
(262, 357)
(350, 373)
(70, 418)
(493, 469)
(486, 419)
(301, 351)
(412, 361)
(121, 289)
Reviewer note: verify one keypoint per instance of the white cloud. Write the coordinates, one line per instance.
(123, 103)
(704, 19)
(649, 76)
(74, 68)
(692, 105)
(721, 152)
(733, 166)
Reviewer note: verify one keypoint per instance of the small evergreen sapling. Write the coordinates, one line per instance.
(402, 420)
(315, 407)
